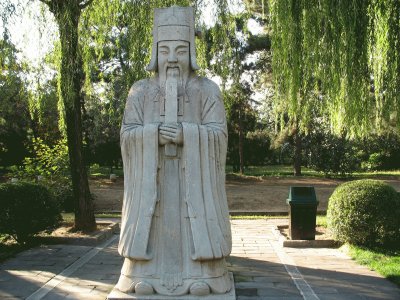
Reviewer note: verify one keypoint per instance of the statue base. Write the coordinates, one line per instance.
(118, 295)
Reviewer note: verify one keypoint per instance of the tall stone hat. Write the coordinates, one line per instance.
(174, 23)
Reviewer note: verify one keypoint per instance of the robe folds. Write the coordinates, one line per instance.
(202, 218)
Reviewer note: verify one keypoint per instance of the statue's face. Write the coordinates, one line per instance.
(173, 54)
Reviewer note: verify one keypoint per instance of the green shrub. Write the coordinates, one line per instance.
(26, 209)
(365, 212)
(331, 154)
(52, 164)
(375, 162)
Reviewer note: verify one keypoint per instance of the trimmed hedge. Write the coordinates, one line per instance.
(366, 213)
(26, 209)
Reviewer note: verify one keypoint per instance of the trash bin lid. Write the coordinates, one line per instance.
(302, 194)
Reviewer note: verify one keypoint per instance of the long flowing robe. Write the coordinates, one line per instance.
(175, 222)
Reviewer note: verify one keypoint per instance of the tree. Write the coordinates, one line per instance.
(44, 112)
(241, 119)
(126, 23)
(339, 58)
(228, 44)
(116, 43)
(67, 14)
(14, 110)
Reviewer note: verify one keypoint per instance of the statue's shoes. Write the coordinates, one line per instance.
(143, 288)
(125, 284)
(199, 289)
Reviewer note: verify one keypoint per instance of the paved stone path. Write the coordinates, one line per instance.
(262, 270)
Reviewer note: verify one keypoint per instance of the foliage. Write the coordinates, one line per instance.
(26, 209)
(47, 161)
(224, 51)
(52, 165)
(14, 112)
(365, 212)
(241, 119)
(331, 154)
(70, 82)
(44, 111)
(333, 53)
(102, 126)
(384, 261)
(116, 42)
(258, 148)
(375, 161)
(380, 152)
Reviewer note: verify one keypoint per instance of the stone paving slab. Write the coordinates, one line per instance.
(262, 270)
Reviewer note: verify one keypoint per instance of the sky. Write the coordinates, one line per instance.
(33, 41)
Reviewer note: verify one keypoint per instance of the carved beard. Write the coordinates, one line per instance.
(168, 70)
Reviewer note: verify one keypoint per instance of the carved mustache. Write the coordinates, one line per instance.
(172, 66)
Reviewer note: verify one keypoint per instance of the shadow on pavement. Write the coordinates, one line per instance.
(258, 279)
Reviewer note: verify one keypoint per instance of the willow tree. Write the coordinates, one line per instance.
(117, 31)
(67, 15)
(78, 61)
(338, 60)
(116, 37)
(293, 66)
(14, 112)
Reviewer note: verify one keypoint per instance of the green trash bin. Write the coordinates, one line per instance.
(302, 212)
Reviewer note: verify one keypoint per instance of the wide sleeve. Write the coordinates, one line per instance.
(205, 148)
(139, 149)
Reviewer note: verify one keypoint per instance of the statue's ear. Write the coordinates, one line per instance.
(193, 61)
(152, 66)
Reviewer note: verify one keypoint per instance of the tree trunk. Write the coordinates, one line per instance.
(67, 13)
(241, 154)
(297, 152)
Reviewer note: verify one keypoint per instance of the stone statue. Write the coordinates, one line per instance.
(175, 231)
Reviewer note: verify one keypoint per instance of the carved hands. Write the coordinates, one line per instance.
(170, 133)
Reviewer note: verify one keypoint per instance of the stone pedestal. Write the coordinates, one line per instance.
(118, 295)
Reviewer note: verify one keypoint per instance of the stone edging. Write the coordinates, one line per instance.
(94, 240)
(284, 242)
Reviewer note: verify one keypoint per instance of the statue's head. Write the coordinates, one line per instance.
(173, 39)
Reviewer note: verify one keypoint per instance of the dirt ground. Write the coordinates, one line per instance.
(263, 196)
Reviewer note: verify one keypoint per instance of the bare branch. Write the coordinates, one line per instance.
(84, 4)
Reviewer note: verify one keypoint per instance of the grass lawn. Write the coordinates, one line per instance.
(97, 171)
(274, 170)
(69, 217)
(104, 172)
(372, 174)
(385, 262)
(287, 171)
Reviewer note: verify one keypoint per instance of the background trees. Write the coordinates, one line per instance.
(343, 57)
(14, 109)
(320, 78)
(100, 53)
(334, 66)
